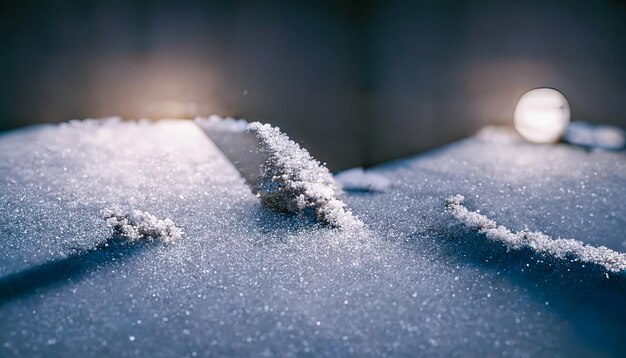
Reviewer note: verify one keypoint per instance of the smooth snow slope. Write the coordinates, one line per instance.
(248, 281)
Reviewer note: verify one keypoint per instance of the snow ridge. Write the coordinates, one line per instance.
(612, 261)
(293, 180)
(138, 225)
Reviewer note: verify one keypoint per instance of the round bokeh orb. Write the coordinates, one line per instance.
(542, 115)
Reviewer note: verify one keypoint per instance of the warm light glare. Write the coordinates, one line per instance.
(542, 115)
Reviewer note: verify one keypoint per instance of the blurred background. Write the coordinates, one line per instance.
(355, 82)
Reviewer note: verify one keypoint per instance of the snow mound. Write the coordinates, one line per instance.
(138, 225)
(612, 261)
(595, 136)
(293, 180)
(225, 124)
(357, 179)
(499, 134)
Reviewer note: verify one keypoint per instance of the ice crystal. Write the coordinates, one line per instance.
(612, 261)
(138, 225)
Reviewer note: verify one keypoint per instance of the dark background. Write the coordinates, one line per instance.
(356, 82)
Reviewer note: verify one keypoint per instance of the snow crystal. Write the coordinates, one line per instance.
(293, 180)
(612, 261)
(357, 179)
(138, 225)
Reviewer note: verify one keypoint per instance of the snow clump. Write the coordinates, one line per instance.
(224, 124)
(357, 179)
(138, 225)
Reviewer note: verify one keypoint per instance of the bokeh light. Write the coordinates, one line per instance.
(542, 115)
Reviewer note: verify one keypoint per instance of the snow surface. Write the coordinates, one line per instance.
(246, 280)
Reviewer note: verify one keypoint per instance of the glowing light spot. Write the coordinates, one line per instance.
(542, 115)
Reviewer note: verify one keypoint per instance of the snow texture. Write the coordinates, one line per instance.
(293, 181)
(357, 179)
(137, 225)
(612, 261)
(249, 281)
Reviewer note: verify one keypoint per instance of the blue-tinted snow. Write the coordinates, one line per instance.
(248, 281)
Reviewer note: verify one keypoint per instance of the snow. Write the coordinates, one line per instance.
(56, 180)
(285, 178)
(246, 280)
(223, 124)
(357, 179)
(293, 181)
(595, 136)
(612, 261)
(138, 225)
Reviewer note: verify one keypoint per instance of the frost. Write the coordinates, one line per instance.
(612, 261)
(358, 179)
(138, 225)
(293, 181)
